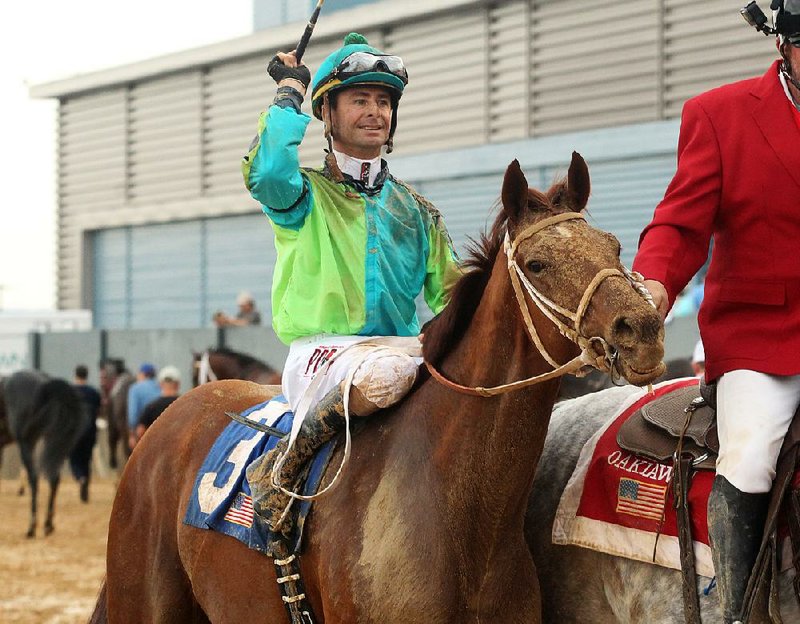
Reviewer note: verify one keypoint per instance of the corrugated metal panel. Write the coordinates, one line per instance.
(509, 68)
(240, 255)
(166, 275)
(575, 47)
(110, 272)
(91, 176)
(236, 93)
(446, 101)
(705, 47)
(165, 133)
(624, 195)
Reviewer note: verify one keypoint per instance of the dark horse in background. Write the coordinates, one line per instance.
(38, 408)
(216, 364)
(426, 523)
(115, 381)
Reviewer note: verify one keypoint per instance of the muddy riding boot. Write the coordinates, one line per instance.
(735, 526)
(322, 423)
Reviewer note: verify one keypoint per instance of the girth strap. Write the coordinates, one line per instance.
(680, 486)
(293, 595)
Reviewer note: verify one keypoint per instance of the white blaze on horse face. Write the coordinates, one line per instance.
(563, 230)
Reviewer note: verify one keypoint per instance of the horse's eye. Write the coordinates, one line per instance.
(534, 266)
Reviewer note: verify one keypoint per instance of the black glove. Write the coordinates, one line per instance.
(279, 72)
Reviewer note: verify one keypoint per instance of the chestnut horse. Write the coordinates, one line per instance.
(426, 521)
(216, 364)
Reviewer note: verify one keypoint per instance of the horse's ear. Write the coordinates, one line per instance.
(515, 191)
(578, 185)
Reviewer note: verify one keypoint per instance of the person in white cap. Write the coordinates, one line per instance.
(169, 378)
(247, 314)
(699, 359)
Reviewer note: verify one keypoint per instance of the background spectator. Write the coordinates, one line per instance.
(80, 460)
(247, 314)
(169, 379)
(699, 359)
(140, 394)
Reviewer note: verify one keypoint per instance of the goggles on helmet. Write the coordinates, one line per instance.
(363, 62)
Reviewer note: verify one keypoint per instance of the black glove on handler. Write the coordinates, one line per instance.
(279, 72)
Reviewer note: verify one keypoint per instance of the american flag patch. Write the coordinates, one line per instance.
(241, 510)
(637, 498)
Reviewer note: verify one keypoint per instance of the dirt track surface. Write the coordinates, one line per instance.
(54, 579)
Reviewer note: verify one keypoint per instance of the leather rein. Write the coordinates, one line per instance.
(567, 322)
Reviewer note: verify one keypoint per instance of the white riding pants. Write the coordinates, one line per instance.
(754, 411)
(383, 376)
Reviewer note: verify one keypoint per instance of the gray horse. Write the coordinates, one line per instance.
(38, 408)
(580, 585)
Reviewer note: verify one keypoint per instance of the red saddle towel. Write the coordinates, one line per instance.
(616, 502)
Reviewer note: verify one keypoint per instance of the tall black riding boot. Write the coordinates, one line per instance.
(735, 526)
(322, 423)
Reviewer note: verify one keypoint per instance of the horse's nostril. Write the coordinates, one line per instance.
(623, 331)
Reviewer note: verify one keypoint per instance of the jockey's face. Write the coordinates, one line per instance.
(361, 121)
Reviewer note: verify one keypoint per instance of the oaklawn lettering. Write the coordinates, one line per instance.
(637, 465)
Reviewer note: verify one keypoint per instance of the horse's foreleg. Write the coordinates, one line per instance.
(51, 503)
(26, 455)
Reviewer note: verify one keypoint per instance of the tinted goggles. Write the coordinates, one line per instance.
(363, 62)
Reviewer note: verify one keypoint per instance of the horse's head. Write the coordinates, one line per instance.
(573, 274)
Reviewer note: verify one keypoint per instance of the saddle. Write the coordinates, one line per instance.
(655, 430)
(680, 427)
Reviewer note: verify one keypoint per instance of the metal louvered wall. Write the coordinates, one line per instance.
(166, 146)
(179, 274)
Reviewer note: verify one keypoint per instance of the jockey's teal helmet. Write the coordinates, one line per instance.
(357, 63)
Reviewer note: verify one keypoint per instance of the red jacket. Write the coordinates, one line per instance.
(738, 179)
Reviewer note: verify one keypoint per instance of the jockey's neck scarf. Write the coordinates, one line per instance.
(363, 170)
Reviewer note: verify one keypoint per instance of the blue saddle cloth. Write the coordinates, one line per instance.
(221, 498)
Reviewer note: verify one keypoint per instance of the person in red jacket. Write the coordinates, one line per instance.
(738, 181)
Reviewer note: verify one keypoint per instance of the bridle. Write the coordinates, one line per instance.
(204, 371)
(567, 322)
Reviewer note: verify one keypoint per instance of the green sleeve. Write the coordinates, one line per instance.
(442, 270)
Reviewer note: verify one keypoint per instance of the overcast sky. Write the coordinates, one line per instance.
(52, 39)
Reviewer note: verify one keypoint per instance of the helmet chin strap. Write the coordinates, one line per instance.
(786, 66)
(330, 157)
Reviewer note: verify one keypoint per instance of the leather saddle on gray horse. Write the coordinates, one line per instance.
(680, 428)
(654, 431)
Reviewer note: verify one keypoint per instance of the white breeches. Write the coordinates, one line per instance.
(383, 376)
(754, 411)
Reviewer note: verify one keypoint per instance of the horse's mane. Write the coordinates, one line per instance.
(242, 359)
(445, 330)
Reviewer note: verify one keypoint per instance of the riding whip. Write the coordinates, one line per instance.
(312, 21)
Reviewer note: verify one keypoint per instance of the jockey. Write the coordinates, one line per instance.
(738, 180)
(355, 247)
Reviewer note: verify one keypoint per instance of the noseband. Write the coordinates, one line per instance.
(557, 315)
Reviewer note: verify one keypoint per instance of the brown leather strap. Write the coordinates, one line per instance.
(793, 509)
(680, 485)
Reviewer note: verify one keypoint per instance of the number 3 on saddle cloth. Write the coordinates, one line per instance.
(221, 498)
(621, 503)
